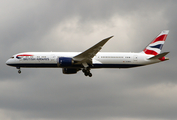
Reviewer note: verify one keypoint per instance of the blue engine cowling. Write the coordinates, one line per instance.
(69, 71)
(65, 61)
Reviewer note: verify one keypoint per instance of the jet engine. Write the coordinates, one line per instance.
(65, 61)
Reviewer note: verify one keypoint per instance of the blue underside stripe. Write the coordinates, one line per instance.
(115, 65)
(79, 66)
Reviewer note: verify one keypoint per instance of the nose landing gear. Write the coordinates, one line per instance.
(19, 70)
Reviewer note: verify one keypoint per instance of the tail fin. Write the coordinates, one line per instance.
(155, 47)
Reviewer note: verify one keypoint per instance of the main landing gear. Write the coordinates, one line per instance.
(87, 72)
(19, 70)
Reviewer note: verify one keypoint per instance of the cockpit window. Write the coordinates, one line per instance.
(18, 57)
(12, 57)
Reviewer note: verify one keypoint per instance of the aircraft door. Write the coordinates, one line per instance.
(53, 58)
(135, 58)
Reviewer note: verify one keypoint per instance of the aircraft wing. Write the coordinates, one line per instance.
(85, 57)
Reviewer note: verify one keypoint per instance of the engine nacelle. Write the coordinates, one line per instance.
(69, 71)
(65, 61)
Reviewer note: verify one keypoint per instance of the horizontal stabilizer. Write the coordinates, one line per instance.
(158, 56)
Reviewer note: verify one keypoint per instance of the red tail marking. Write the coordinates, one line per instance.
(150, 52)
(162, 59)
(160, 38)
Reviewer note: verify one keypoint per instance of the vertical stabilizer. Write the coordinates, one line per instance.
(155, 47)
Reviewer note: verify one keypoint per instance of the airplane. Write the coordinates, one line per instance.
(72, 62)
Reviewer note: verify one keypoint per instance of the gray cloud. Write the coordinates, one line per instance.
(127, 94)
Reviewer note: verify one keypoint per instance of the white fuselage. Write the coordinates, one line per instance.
(100, 60)
(72, 62)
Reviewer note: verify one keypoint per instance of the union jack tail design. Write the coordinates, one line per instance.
(155, 47)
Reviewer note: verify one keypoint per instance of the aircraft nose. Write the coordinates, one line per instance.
(8, 62)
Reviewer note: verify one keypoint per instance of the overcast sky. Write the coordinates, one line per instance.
(144, 93)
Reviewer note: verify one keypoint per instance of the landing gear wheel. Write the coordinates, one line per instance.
(19, 71)
(90, 74)
(86, 72)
